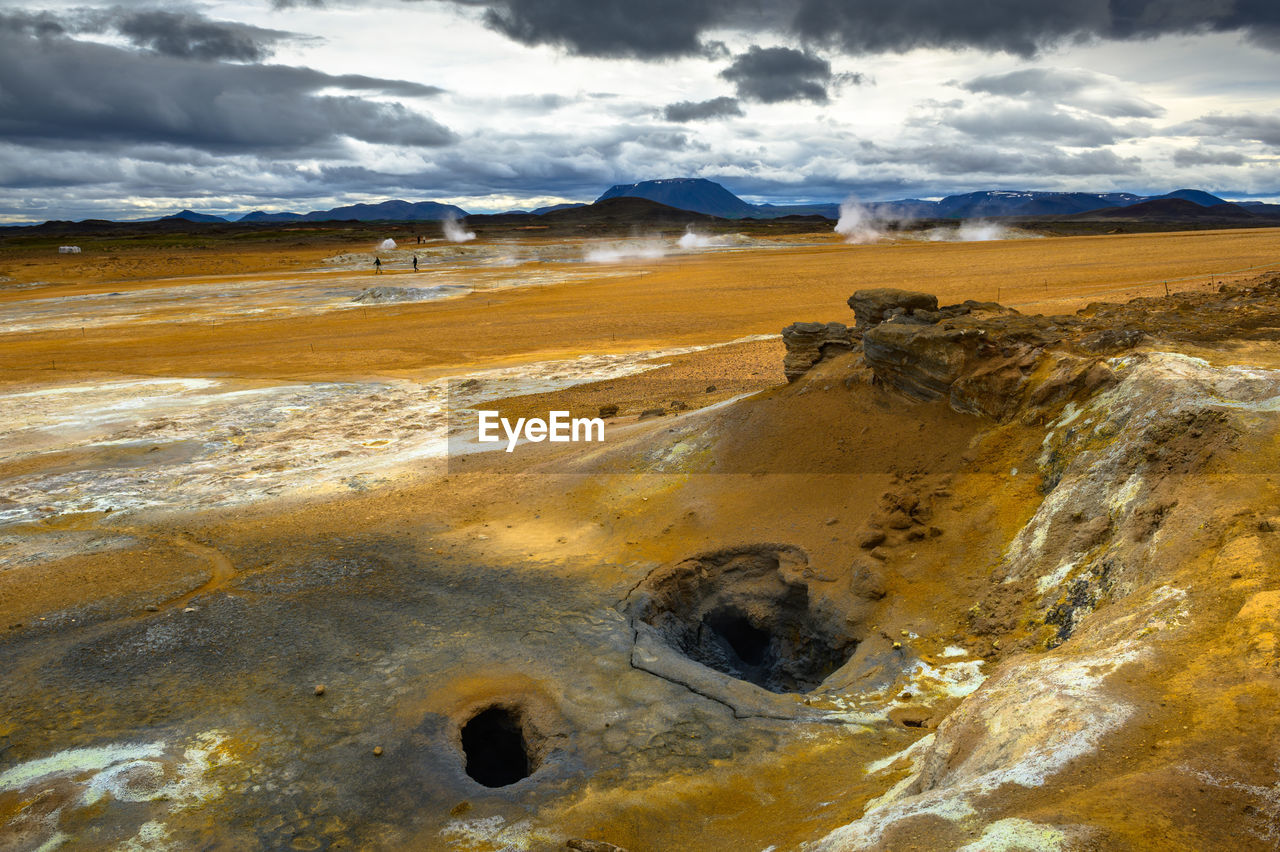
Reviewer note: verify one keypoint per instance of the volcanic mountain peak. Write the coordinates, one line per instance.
(695, 194)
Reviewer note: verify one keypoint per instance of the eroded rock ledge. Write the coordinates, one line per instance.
(980, 356)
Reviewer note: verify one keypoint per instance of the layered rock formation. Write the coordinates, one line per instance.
(809, 342)
(980, 356)
(872, 307)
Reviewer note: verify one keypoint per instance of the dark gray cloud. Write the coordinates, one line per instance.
(649, 30)
(664, 28)
(82, 93)
(685, 111)
(1018, 27)
(185, 34)
(1242, 126)
(774, 74)
(361, 83)
(40, 24)
(193, 36)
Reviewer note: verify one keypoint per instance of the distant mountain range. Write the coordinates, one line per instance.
(1181, 209)
(387, 211)
(704, 196)
(699, 195)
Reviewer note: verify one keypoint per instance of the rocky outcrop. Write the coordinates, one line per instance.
(922, 361)
(872, 307)
(977, 355)
(981, 357)
(809, 342)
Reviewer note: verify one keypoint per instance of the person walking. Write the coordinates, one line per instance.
(415, 263)
(377, 266)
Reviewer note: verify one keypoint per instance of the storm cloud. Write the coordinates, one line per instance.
(685, 111)
(650, 30)
(665, 28)
(193, 36)
(187, 34)
(78, 92)
(774, 74)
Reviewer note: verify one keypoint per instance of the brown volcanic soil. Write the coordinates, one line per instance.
(451, 588)
(698, 299)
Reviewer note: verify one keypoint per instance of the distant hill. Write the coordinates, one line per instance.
(192, 216)
(1200, 197)
(700, 195)
(1002, 202)
(1168, 209)
(260, 216)
(781, 211)
(696, 194)
(1260, 207)
(907, 208)
(617, 210)
(539, 211)
(387, 211)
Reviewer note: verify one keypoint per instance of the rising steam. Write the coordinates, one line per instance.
(387, 245)
(690, 240)
(856, 224)
(975, 231)
(630, 250)
(454, 232)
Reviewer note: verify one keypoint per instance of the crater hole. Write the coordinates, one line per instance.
(496, 749)
(747, 613)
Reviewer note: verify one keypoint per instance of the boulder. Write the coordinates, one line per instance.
(809, 342)
(872, 307)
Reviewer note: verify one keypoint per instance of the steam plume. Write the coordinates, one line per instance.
(455, 233)
(856, 224)
(690, 240)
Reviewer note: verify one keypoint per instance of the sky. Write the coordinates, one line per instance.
(135, 109)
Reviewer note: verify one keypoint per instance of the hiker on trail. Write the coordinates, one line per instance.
(415, 263)
(377, 266)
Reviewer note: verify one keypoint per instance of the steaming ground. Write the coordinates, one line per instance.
(860, 226)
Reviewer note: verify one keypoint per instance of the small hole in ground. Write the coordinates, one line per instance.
(495, 747)
(749, 643)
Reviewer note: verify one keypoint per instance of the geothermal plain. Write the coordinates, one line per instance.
(992, 571)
